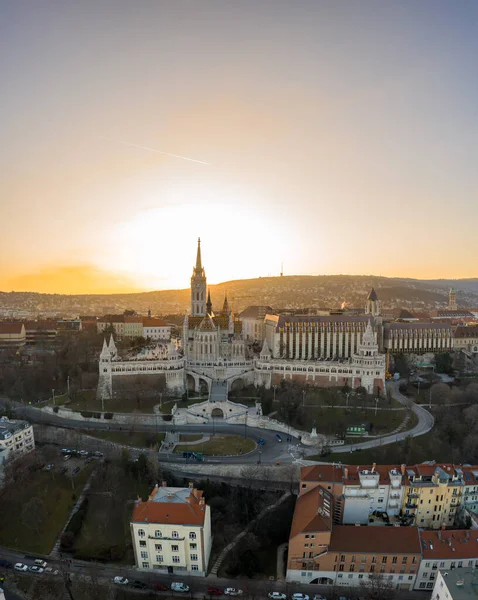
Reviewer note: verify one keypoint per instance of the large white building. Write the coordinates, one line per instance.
(171, 531)
(16, 438)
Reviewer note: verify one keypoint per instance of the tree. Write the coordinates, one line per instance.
(440, 394)
(33, 513)
(444, 363)
(377, 587)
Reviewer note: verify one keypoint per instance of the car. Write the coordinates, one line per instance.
(49, 467)
(5, 563)
(178, 586)
(75, 470)
(65, 451)
(233, 592)
(20, 567)
(83, 453)
(98, 454)
(261, 441)
(214, 591)
(299, 596)
(64, 470)
(278, 437)
(51, 571)
(35, 569)
(319, 597)
(120, 580)
(39, 562)
(277, 596)
(67, 457)
(159, 587)
(139, 585)
(90, 459)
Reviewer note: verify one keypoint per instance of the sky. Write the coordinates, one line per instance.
(333, 136)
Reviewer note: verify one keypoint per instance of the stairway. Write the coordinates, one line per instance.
(218, 392)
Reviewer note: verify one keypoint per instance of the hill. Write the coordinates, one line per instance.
(280, 292)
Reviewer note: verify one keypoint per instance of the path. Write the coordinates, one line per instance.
(239, 536)
(280, 567)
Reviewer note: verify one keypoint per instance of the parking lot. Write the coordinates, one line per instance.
(70, 462)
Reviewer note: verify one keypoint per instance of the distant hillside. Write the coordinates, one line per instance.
(279, 292)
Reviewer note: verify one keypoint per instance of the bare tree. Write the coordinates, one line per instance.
(33, 513)
(377, 587)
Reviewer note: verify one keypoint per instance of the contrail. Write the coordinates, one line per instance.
(201, 162)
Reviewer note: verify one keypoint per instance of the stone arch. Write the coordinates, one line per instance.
(203, 386)
(237, 384)
(217, 413)
(190, 383)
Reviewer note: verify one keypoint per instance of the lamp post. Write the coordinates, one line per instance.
(53, 395)
(68, 386)
(303, 397)
(347, 399)
(274, 387)
(376, 406)
(245, 426)
(160, 401)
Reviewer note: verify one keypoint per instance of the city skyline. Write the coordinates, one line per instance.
(330, 138)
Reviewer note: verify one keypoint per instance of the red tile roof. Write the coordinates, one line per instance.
(377, 540)
(457, 543)
(306, 518)
(10, 328)
(153, 322)
(191, 512)
(322, 473)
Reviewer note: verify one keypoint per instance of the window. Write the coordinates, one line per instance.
(430, 585)
(341, 567)
(340, 575)
(360, 576)
(192, 535)
(342, 558)
(141, 532)
(159, 558)
(175, 559)
(394, 560)
(158, 533)
(374, 559)
(194, 556)
(372, 568)
(142, 544)
(404, 560)
(423, 585)
(425, 575)
(174, 548)
(145, 565)
(306, 545)
(158, 547)
(175, 535)
(194, 567)
(384, 559)
(144, 555)
(193, 546)
(460, 564)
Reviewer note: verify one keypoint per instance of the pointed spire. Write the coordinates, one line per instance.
(198, 257)
(209, 303)
(225, 308)
(105, 351)
(265, 352)
(372, 295)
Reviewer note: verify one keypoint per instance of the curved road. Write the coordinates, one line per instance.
(424, 425)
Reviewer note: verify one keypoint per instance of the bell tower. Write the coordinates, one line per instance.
(198, 286)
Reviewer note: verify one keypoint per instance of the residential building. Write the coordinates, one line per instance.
(322, 552)
(124, 325)
(451, 550)
(456, 585)
(171, 531)
(252, 318)
(16, 438)
(40, 332)
(418, 337)
(12, 335)
(156, 329)
(466, 338)
(69, 325)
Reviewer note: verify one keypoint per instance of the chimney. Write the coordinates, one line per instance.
(164, 483)
(346, 473)
(202, 502)
(373, 467)
(153, 492)
(191, 484)
(402, 469)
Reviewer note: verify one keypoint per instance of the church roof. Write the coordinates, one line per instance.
(207, 324)
(372, 295)
(219, 320)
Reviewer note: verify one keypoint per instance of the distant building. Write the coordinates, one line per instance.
(452, 300)
(455, 551)
(124, 325)
(418, 338)
(12, 335)
(252, 319)
(466, 338)
(69, 325)
(16, 438)
(40, 332)
(171, 531)
(156, 329)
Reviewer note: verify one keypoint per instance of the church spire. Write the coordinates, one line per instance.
(209, 303)
(225, 308)
(198, 257)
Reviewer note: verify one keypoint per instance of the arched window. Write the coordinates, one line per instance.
(158, 533)
(192, 535)
(175, 535)
(141, 532)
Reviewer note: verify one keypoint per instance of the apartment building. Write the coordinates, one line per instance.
(324, 553)
(16, 438)
(12, 335)
(40, 332)
(454, 551)
(171, 531)
(466, 338)
(156, 329)
(124, 325)
(456, 585)
(252, 318)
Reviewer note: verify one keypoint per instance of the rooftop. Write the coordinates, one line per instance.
(306, 519)
(378, 540)
(9, 428)
(171, 505)
(461, 583)
(458, 543)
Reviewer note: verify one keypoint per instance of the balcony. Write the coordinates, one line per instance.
(413, 495)
(411, 506)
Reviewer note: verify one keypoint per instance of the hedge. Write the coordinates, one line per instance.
(87, 414)
(108, 415)
(97, 415)
(56, 409)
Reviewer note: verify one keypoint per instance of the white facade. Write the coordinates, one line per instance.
(16, 438)
(159, 333)
(169, 545)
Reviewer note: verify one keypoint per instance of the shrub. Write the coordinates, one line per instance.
(87, 414)
(167, 417)
(56, 409)
(108, 415)
(67, 540)
(97, 415)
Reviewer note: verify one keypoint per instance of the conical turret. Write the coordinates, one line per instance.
(225, 306)
(209, 303)
(198, 257)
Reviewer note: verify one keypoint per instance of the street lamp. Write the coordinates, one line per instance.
(245, 426)
(274, 387)
(53, 394)
(303, 396)
(376, 406)
(160, 400)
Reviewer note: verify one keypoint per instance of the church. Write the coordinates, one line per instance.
(334, 350)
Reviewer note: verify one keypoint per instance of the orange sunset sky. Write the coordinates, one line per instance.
(335, 137)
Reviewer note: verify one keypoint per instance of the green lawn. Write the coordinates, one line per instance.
(128, 438)
(55, 500)
(87, 401)
(221, 445)
(190, 437)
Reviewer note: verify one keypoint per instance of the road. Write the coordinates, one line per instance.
(104, 573)
(424, 425)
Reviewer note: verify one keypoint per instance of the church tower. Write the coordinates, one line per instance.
(372, 306)
(452, 300)
(198, 287)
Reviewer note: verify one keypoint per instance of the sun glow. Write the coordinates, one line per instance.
(158, 247)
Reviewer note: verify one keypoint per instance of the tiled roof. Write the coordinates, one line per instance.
(321, 473)
(120, 319)
(372, 295)
(458, 543)
(377, 540)
(417, 326)
(9, 328)
(174, 512)
(283, 319)
(466, 332)
(255, 312)
(306, 518)
(40, 325)
(221, 320)
(152, 322)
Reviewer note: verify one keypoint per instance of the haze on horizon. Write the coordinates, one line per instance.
(335, 137)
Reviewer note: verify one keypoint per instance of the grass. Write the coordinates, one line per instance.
(190, 437)
(128, 438)
(222, 445)
(56, 498)
(87, 401)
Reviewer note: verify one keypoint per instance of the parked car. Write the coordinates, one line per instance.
(39, 562)
(90, 459)
(277, 596)
(65, 451)
(299, 596)
(51, 571)
(159, 587)
(233, 592)
(67, 457)
(98, 454)
(35, 569)
(120, 580)
(20, 567)
(319, 597)
(83, 453)
(278, 437)
(5, 563)
(75, 470)
(214, 591)
(139, 585)
(64, 470)
(178, 586)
